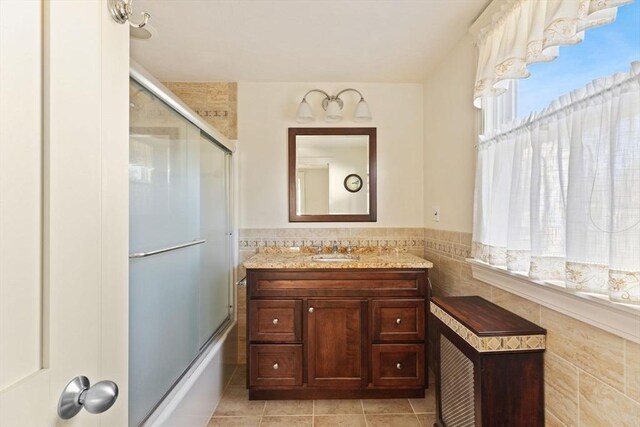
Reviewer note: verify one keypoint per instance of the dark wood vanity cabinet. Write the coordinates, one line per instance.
(336, 333)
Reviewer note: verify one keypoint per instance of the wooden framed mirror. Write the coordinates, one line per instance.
(332, 174)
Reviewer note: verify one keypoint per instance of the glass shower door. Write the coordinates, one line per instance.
(179, 297)
(215, 256)
(163, 288)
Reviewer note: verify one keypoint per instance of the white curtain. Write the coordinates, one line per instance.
(558, 196)
(528, 31)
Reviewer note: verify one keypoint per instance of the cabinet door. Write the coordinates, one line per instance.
(336, 343)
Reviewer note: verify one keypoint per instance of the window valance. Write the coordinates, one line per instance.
(528, 31)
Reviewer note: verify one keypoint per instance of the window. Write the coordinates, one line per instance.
(604, 51)
(558, 173)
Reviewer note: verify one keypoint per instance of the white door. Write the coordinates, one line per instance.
(63, 207)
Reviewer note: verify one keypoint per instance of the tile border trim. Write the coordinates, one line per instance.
(492, 343)
(300, 242)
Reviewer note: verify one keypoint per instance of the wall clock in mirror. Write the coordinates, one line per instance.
(353, 183)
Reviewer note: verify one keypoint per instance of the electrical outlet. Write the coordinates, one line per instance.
(436, 214)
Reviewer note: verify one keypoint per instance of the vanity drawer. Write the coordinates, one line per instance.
(398, 365)
(275, 320)
(332, 283)
(398, 320)
(275, 365)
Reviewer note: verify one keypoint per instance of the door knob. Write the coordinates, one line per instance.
(80, 394)
(311, 310)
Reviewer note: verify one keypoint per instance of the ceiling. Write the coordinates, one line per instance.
(300, 40)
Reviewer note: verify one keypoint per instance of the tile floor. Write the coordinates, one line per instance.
(236, 410)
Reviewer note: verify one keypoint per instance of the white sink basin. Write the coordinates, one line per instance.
(335, 257)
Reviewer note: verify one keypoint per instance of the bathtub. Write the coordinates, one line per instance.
(193, 400)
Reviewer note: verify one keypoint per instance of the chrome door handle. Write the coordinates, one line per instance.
(80, 394)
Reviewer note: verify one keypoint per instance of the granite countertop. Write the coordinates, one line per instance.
(368, 257)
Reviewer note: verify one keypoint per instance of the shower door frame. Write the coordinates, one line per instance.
(142, 77)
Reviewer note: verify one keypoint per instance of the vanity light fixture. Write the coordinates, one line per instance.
(332, 104)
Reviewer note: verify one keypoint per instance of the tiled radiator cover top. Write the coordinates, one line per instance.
(492, 343)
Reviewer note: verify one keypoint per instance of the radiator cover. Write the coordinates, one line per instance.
(457, 386)
(489, 365)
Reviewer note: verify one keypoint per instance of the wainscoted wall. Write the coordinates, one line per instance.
(592, 377)
(411, 239)
(215, 102)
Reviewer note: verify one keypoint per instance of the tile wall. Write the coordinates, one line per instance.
(592, 377)
(215, 102)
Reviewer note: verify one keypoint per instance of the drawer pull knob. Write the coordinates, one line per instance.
(276, 366)
(275, 321)
(398, 365)
(311, 310)
(398, 321)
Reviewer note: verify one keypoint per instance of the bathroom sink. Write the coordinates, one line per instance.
(335, 257)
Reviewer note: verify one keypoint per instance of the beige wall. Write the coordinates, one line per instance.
(449, 136)
(267, 110)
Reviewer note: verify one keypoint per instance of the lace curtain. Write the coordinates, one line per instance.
(528, 31)
(558, 196)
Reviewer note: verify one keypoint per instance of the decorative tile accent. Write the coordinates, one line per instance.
(489, 344)
(215, 102)
(275, 242)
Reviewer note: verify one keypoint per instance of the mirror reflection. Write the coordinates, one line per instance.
(332, 174)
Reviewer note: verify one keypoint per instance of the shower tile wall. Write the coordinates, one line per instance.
(215, 102)
(250, 239)
(592, 377)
